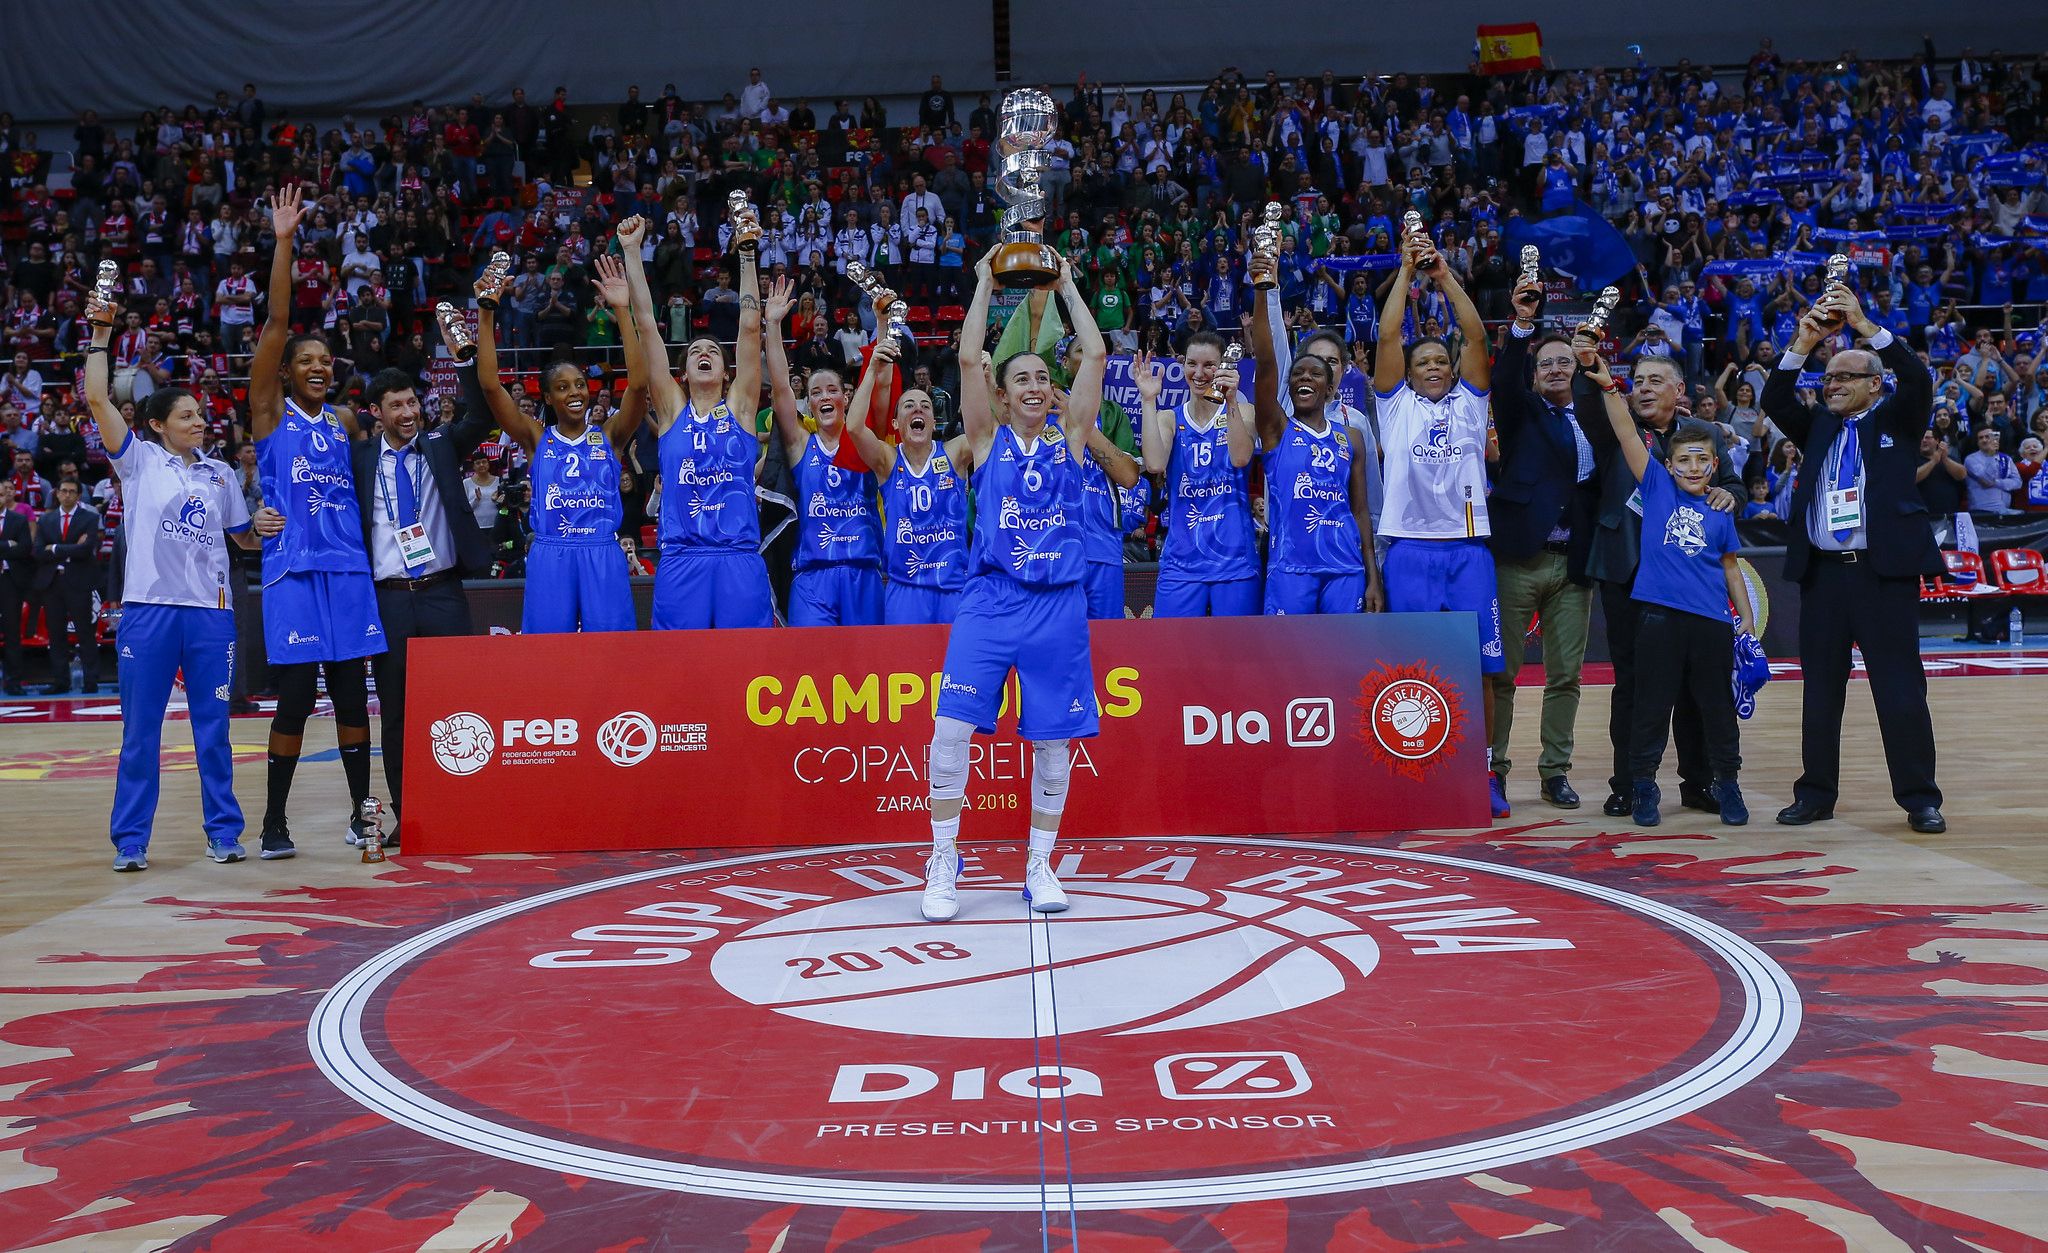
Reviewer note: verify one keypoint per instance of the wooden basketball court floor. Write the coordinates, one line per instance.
(176, 1062)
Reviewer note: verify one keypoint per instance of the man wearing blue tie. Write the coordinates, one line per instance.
(1858, 542)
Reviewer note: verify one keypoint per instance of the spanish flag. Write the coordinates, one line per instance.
(1510, 49)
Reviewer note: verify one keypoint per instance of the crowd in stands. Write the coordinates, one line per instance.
(1731, 187)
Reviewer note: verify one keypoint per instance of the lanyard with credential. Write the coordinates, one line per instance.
(419, 485)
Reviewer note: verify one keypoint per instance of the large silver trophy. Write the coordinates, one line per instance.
(1838, 285)
(746, 222)
(101, 306)
(1214, 392)
(1532, 263)
(455, 330)
(1028, 122)
(890, 309)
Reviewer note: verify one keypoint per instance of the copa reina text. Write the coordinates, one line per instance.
(771, 702)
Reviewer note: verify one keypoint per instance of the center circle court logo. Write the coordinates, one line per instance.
(627, 740)
(1213, 1020)
(463, 743)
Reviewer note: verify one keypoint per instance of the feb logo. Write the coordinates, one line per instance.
(1213, 1021)
(462, 743)
(1409, 716)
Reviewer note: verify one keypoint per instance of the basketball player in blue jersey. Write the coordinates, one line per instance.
(924, 499)
(576, 575)
(1023, 608)
(1318, 512)
(839, 530)
(1209, 559)
(1107, 471)
(180, 505)
(1434, 421)
(711, 573)
(319, 607)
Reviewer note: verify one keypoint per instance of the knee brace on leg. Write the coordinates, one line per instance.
(1052, 761)
(950, 739)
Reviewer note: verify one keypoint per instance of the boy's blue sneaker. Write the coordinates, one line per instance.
(225, 851)
(1648, 798)
(130, 857)
(1733, 812)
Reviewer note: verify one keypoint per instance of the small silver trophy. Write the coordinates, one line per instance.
(455, 330)
(99, 310)
(1604, 306)
(491, 284)
(1837, 286)
(372, 816)
(1266, 237)
(746, 221)
(1214, 392)
(1532, 263)
(890, 310)
(1412, 227)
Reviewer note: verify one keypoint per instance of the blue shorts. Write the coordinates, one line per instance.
(1447, 576)
(907, 604)
(1103, 582)
(1042, 633)
(696, 588)
(836, 595)
(321, 615)
(1181, 597)
(1288, 592)
(573, 584)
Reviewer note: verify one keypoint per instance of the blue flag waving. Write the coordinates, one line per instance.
(1578, 243)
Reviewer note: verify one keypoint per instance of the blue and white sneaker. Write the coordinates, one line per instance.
(941, 875)
(225, 851)
(1497, 795)
(130, 857)
(1042, 887)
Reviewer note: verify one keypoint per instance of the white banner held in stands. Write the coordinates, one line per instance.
(1966, 533)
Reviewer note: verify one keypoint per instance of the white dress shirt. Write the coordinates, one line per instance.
(385, 562)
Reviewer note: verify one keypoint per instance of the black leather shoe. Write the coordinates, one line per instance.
(1693, 796)
(1618, 806)
(1558, 791)
(57, 690)
(1926, 820)
(1799, 813)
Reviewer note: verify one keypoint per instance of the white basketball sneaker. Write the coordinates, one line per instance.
(1042, 887)
(941, 872)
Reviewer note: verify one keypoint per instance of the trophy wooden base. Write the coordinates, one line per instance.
(1024, 265)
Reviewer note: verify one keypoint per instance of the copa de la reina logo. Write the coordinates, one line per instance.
(1212, 1020)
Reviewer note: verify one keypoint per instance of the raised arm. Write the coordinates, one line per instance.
(113, 427)
(612, 286)
(879, 453)
(1269, 418)
(746, 354)
(664, 394)
(1780, 401)
(524, 430)
(1619, 419)
(623, 424)
(1086, 390)
(782, 396)
(1474, 365)
(976, 419)
(1157, 423)
(266, 388)
(1243, 429)
(1390, 364)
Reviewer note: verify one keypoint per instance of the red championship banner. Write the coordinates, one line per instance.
(1218, 726)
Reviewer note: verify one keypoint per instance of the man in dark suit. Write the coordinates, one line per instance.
(1542, 514)
(1657, 385)
(418, 573)
(1857, 542)
(17, 579)
(68, 573)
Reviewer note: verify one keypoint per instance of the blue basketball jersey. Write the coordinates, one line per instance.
(707, 471)
(1102, 537)
(927, 517)
(1208, 506)
(1308, 502)
(837, 522)
(304, 465)
(575, 487)
(1027, 511)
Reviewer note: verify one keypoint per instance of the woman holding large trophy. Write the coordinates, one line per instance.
(1023, 608)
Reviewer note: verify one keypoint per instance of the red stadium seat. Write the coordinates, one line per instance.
(952, 313)
(650, 537)
(1967, 575)
(918, 315)
(2020, 571)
